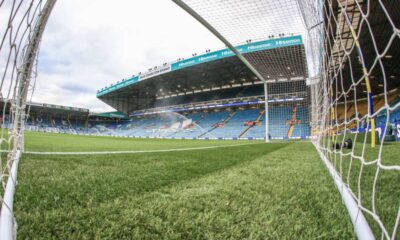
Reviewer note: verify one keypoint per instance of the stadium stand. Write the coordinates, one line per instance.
(344, 114)
(221, 124)
(246, 122)
(220, 99)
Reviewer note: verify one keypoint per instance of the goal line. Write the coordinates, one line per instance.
(139, 151)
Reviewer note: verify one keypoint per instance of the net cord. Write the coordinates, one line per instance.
(24, 74)
(214, 31)
(351, 18)
(361, 226)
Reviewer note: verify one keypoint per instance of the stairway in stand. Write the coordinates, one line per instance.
(256, 122)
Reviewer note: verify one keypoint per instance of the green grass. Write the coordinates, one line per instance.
(256, 191)
(52, 142)
(360, 178)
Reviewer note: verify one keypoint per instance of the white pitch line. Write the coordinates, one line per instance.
(140, 151)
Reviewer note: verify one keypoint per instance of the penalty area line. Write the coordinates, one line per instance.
(138, 151)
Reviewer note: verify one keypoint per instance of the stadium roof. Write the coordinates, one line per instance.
(115, 114)
(51, 109)
(213, 70)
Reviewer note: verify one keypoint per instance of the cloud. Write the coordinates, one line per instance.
(90, 44)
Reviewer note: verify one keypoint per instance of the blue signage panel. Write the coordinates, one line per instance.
(118, 86)
(247, 48)
(212, 56)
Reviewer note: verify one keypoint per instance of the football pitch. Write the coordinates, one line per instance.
(176, 189)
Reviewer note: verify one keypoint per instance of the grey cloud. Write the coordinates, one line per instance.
(91, 44)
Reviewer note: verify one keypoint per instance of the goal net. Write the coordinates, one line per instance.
(330, 64)
(21, 27)
(357, 105)
(351, 49)
(282, 67)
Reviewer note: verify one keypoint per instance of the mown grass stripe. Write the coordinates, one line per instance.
(138, 151)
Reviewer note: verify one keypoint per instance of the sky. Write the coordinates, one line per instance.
(90, 44)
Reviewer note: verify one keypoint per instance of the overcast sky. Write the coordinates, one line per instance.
(92, 43)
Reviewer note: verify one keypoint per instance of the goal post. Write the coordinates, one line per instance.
(25, 26)
(355, 102)
(206, 24)
(337, 72)
(217, 18)
(284, 83)
(351, 51)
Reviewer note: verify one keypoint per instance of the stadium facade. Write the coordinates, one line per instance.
(214, 95)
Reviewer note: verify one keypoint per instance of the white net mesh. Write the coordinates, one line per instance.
(18, 20)
(284, 67)
(357, 102)
(351, 48)
(22, 25)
